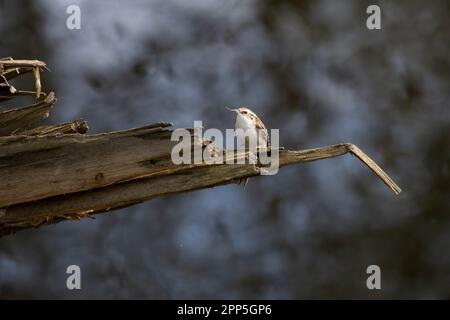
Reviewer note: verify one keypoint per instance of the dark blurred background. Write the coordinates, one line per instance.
(310, 68)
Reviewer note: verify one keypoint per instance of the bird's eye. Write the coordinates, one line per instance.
(244, 112)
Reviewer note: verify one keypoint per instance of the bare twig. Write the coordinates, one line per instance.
(37, 81)
(10, 68)
(22, 63)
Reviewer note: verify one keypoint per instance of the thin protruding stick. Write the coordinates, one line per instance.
(374, 167)
(22, 63)
(289, 157)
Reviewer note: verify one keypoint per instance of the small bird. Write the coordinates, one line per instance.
(248, 121)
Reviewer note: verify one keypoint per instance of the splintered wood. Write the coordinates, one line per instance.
(10, 69)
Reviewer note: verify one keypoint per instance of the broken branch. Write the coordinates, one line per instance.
(127, 169)
(26, 117)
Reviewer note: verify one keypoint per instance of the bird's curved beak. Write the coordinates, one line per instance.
(234, 110)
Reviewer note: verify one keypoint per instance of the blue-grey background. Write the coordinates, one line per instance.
(310, 68)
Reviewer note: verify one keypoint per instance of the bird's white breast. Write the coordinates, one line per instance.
(243, 123)
(248, 126)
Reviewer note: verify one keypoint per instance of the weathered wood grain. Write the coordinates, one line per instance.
(26, 117)
(173, 179)
(84, 204)
(33, 168)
